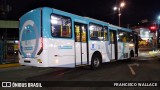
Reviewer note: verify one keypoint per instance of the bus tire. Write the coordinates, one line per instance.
(96, 62)
(131, 55)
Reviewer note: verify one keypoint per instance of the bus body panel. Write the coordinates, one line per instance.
(60, 52)
(99, 46)
(46, 23)
(123, 50)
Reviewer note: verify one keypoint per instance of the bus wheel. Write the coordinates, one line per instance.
(95, 62)
(131, 55)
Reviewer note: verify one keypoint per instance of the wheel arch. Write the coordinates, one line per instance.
(131, 53)
(98, 53)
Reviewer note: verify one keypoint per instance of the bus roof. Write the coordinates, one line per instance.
(86, 19)
(80, 17)
(114, 27)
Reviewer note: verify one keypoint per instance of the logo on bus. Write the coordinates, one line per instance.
(93, 47)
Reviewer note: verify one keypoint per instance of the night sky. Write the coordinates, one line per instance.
(132, 13)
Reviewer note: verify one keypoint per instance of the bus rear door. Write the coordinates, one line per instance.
(80, 43)
(113, 45)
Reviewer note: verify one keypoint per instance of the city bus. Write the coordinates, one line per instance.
(53, 38)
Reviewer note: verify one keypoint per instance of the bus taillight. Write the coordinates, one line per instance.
(41, 42)
(41, 46)
(19, 47)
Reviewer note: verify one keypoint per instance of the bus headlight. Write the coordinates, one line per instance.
(131, 45)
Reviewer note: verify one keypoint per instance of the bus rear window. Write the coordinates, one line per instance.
(60, 26)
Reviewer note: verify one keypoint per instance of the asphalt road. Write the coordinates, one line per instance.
(147, 70)
(140, 69)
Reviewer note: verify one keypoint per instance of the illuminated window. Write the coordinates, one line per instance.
(105, 29)
(80, 31)
(60, 26)
(77, 32)
(96, 32)
(131, 37)
(111, 37)
(83, 34)
(124, 36)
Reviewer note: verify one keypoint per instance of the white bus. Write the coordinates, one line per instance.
(53, 38)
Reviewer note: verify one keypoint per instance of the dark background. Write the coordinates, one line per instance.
(132, 13)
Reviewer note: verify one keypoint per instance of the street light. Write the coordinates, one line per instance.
(158, 33)
(158, 17)
(121, 5)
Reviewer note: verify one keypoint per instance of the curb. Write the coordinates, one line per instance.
(9, 65)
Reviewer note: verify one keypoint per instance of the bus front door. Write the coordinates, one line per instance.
(113, 45)
(80, 43)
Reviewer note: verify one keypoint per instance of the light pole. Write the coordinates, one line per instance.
(119, 8)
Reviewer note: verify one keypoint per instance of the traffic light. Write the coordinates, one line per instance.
(153, 28)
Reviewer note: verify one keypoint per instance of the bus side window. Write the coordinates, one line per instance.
(123, 36)
(56, 30)
(60, 26)
(96, 32)
(66, 31)
(131, 38)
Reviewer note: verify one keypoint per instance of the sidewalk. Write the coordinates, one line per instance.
(148, 55)
(154, 53)
(148, 52)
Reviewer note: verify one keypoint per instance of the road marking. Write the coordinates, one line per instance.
(131, 69)
(45, 70)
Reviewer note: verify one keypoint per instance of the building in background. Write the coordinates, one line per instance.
(145, 35)
(8, 41)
